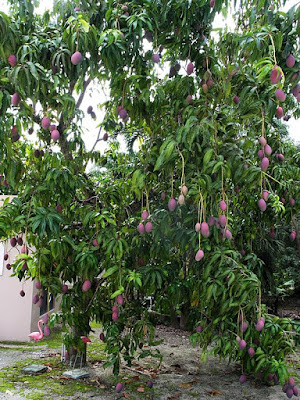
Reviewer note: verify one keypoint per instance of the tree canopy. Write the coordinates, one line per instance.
(213, 156)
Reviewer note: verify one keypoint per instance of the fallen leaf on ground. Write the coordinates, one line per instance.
(214, 393)
(141, 389)
(193, 381)
(185, 385)
(126, 395)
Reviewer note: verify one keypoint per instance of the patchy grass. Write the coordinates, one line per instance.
(46, 385)
(96, 351)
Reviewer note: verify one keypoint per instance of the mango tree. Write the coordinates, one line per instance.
(200, 109)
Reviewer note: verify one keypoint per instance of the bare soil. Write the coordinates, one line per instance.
(181, 376)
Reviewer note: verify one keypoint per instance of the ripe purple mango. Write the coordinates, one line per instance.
(115, 316)
(280, 157)
(236, 100)
(24, 266)
(243, 253)
(14, 130)
(260, 154)
(210, 83)
(145, 215)
(119, 387)
(204, 229)
(289, 393)
(105, 137)
(76, 58)
(95, 243)
(260, 325)
(163, 195)
(64, 289)
(172, 204)
(47, 330)
(101, 336)
(292, 202)
(15, 99)
(13, 242)
(123, 113)
(222, 220)
(251, 352)
(52, 128)
(244, 326)
(8, 266)
(243, 378)
(212, 3)
(291, 382)
(279, 112)
(294, 77)
(290, 61)
(199, 255)
(189, 99)
(268, 150)
(238, 339)
(12, 60)
(262, 205)
(59, 208)
(242, 344)
(262, 141)
(86, 285)
(211, 221)
(46, 318)
(40, 302)
(190, 68)
(275, 75)
(55, 135)
(199, 328)
(115, 309)
(293, 236)
(223, 205)
(155, 58)
(280, 94)
(228, 234)
(120, 300)
(150, 384)
(296, 90)
(246, 166)
(295, 390)
(46, 123)
(38, 285)
(264, 164)
(5, 256)
(148, 227)
(141, 228)
(265, 195)
(22, 293)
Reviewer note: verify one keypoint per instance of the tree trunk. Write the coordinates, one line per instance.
(184, 314)
(75, 359)
(174, 318)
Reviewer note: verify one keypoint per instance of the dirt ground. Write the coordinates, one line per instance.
(182, 376)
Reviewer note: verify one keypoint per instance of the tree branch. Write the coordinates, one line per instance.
(85, 85)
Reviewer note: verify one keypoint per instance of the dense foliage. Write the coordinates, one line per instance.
(199, 126)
